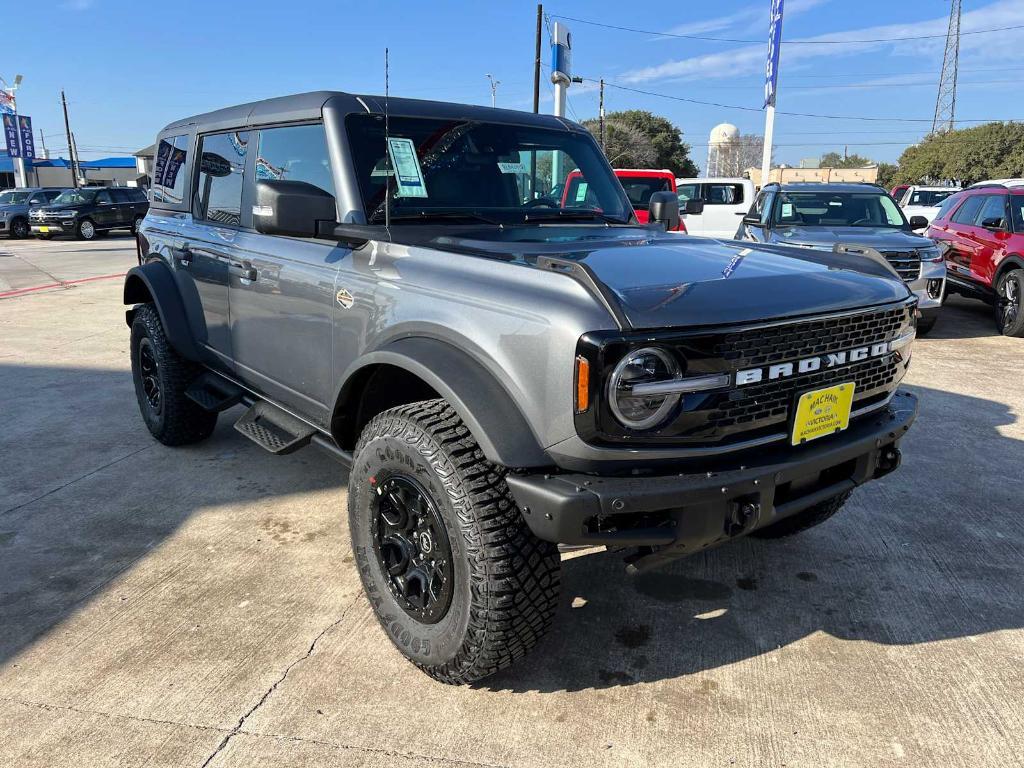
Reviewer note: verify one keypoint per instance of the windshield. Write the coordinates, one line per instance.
(13, 198)
(74, 197)
(503, 174)
(929, 196)
(640, 188)
(837, 209)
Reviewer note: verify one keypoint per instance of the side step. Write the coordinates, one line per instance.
(273, 429)
(213, 393)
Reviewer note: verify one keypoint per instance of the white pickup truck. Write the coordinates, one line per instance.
(726, 201)
(924, 201)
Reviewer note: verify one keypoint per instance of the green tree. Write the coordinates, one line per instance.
(836, 160)
(636, 138)
(968, 155)
(887, 173)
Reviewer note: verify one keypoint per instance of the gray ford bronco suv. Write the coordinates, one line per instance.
(393, 281)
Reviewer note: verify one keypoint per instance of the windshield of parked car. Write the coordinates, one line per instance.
(12, 197)
(640, 188)
(836, 209)
(929, 196)
(452, 169)
(74, 197)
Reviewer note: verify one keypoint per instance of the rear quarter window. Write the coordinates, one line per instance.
(170, 169)
(947, 205)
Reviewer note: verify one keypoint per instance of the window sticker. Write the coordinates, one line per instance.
(512, 167)
(787, 210)
(581, 192)
(407, 168)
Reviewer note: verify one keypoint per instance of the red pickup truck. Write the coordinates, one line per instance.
(639, 185)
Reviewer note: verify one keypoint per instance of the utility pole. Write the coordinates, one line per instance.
(42, 144)
(945, 101)
(494, 89)
(600, 115)
(71, 152)
(76, 161)
(536, 61)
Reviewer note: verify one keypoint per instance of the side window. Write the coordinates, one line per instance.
(295, 153)
(219, 187)
(53, 194)
(688, 192)
(103, 197)
(966, 213)
(994, 209)
(120, 195)
(168, 169)
(37, 199)
(946, 206)
(137, 195)
(723, 194)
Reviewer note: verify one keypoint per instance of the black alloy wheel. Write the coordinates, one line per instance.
(149, 372)
(1008, 305)
(19, 229)
(412, 548)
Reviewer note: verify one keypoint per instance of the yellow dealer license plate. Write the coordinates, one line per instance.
(44, 229)
(822, 412)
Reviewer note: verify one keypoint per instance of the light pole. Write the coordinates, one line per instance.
(20, 176)
(494, 88)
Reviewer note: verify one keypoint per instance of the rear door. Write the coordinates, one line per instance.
(724, 205)
(283, 310)
(991, 231)
(104, 213)
(122, 207)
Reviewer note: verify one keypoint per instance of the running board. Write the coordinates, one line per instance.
(213, 393)
(273, 429)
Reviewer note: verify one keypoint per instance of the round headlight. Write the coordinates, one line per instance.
(638, 409)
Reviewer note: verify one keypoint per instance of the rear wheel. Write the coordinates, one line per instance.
(19, 229)
(136, 223)
(801, 521)
(85, 230)
(161, 377)
(460, 584)
(1009, 316)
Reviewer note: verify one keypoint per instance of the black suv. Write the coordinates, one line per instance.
(90, 212)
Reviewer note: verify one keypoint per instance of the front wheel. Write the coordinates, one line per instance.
(85, 230)
(926, 323)
(802, 520)
(460, 584)
(1009, 317)
(19, 229)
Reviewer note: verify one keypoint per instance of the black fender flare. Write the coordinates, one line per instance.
(1012, 261)
(154, 282)
(484, 405)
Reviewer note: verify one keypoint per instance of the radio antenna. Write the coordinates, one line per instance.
(387, 149)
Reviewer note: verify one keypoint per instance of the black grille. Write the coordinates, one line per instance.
(779, 343)
(906, 263)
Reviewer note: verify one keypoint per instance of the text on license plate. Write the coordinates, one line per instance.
(823, 412)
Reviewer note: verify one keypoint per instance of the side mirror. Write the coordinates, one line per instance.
(664, 209)
(993, 223)
(293, 208)
(918, 222)
(752, 220)
(693, 206)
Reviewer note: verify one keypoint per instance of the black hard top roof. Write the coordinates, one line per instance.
(310, 106)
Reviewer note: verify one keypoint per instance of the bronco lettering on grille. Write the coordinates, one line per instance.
(808, 364)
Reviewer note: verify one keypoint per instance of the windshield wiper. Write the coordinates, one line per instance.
(563, 215)
(429, 216)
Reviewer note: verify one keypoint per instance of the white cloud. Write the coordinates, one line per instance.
(750, 17)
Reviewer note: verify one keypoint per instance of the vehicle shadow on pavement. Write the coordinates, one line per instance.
(962, 318)
(930, 553)
(86, 494)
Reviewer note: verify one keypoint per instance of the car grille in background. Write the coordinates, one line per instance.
(906, 263)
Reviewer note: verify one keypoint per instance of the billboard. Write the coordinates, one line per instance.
(7, 103)
(771, 69)
(561, 54)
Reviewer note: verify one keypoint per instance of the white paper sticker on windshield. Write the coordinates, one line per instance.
(407, 168)
(512, 167)
(581, 192)
(787, 210)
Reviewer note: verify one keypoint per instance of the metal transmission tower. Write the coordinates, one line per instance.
(945, 103)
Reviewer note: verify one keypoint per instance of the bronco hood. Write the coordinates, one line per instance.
(667, 280)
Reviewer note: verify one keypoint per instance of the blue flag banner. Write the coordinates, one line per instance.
(11, 135)
(771, 69)
(28, 146)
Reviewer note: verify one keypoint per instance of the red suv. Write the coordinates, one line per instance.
(639, 185)
(983, 227)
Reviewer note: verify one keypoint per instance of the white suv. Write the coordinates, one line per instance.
(725, 202)
(924, 201)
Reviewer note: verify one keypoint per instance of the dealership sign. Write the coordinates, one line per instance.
(7, 104)
(771, 70)
(11, 135)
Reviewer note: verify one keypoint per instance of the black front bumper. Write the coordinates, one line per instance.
(685, 512)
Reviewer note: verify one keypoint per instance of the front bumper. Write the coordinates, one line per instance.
(930, 271)
(679, 514)
(51, 227)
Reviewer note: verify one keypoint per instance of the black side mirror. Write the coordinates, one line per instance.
(693, 206)
(293, 208)
(664, 209)
(752, 220)
(993, 223)
(918, 222)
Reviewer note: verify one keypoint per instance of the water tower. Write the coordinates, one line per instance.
(723, 150)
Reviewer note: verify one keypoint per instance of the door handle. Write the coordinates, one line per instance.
(244, 271)
(184, 253)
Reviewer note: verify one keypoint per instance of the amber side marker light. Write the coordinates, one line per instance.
(582, 384)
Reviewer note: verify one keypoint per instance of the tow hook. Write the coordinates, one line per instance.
(742, 517)
(888, 461)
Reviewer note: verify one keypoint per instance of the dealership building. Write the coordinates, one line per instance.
(56, 172)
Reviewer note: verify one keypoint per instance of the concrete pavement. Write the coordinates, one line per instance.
(199, 606)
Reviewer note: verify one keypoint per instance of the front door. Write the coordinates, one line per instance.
(104, 214)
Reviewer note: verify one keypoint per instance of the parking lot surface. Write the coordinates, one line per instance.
(199, 606)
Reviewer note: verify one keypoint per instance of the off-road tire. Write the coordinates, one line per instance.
(801, 521)
(178, 420)
(19, 228)
(83, 228)
(1016, 326)
(506, 580)
(926, 324)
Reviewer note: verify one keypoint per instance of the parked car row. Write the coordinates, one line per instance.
(86, 213)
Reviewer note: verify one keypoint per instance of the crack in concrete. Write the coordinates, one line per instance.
(284, 675)
(108, 715)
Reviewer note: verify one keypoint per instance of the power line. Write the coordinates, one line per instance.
(785, 42)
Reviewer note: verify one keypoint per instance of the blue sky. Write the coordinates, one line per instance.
(130, 67)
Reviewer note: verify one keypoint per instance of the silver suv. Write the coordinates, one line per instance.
(394, 282)
(852, 217)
